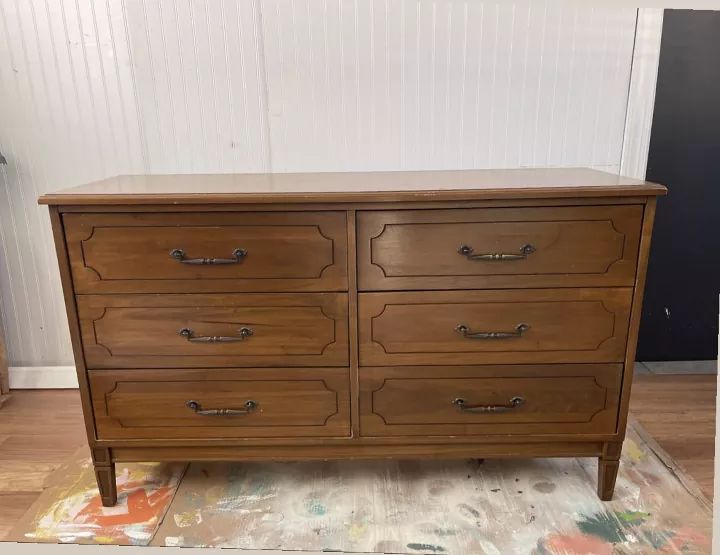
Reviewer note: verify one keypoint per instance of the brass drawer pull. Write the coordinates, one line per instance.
(250, 406)
(525, 250)
(467, 332)
(188, 334)
(514, 403)
(238, 255)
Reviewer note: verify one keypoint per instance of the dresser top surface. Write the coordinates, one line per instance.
(353, 187)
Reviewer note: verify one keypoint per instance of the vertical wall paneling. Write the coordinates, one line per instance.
(200, 85)
(67, 117)
(385, 84)
(641, 100)
(92, 88)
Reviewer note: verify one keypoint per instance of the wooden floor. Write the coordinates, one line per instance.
(678, 411)
(40, 429)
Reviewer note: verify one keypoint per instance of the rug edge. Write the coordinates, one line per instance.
(673, 466)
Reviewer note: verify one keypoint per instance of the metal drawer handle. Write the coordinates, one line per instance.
(250, 406)
(188, 334)
(514, 403)
(465, 331)
(238, 255)
(525, 250)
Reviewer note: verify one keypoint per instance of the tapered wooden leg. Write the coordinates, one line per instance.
(105, 476)
(608, 466)
(607, 473)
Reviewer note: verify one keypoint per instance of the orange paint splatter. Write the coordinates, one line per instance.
(141, 508)
(578, 544)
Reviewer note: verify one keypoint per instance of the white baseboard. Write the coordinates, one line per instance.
(43, 377)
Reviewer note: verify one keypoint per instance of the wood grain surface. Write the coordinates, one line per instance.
(283, 251)
(557, 399)
(343, 272)
(143, 331)
(564, 247)
(148, 404)
(564, 326)
(356, 187)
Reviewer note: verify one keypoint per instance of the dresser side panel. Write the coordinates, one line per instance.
(636, 312)
(73, 320)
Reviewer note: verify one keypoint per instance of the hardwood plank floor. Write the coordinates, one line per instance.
(40, 429)
(678, 411)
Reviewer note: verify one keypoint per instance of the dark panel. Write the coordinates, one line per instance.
(680, 317)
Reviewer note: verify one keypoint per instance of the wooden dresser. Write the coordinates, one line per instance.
(314, 316)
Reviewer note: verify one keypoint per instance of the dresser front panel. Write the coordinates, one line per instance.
(493, 327)
(207, 252)
(490, 400)
(591, 246)
(393, 314)
(238, 403)
(234, 329)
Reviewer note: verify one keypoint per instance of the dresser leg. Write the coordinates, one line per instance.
(608, 466)
(105, 476)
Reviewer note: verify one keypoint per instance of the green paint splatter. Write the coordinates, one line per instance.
(603, 526)
(426, 547)
(632, 517)
(612, 527)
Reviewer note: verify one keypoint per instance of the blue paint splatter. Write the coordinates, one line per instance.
(315, 507)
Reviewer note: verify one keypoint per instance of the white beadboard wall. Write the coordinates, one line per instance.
(91, 88)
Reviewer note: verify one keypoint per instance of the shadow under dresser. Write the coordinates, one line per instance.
(474, 313)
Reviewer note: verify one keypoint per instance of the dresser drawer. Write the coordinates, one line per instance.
(493, 327)
(498, 247)
(234, 329)
(211, 403)
(207, 252)
(494, 400)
